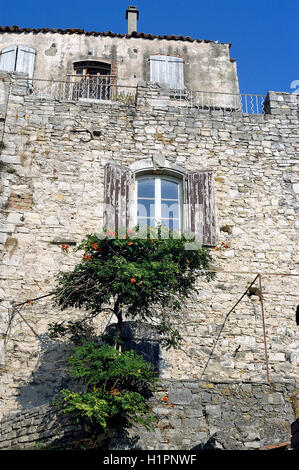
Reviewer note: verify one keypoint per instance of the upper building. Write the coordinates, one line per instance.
(98, 61)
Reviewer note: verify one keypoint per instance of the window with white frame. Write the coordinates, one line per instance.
(158, 201)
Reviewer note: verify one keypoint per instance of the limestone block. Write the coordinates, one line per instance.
(213, 411)
(277, 357)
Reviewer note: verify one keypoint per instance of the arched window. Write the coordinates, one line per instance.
(92, 67)
(141, 195)
(159, 201)
(93, 80)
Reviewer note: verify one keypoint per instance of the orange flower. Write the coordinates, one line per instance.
(115, 392)
(130, 243)
(110, 233)
(165, 398)
(95, 246)
(133, 280)
(217, 248)
(87, 257)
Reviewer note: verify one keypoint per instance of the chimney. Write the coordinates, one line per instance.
(132, 15)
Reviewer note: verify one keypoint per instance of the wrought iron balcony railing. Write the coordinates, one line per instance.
(78, 87)
(217, 101)
(107, 88)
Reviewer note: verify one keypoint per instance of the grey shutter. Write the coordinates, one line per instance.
(8, 58)
(175, 72)
(25, 60)
(201, 200)
(158, 69)
(117, 197)
(167, 70)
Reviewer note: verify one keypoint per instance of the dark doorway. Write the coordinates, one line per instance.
(92, 80)
(139, 337)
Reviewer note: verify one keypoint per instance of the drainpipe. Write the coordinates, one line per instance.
(132, 15)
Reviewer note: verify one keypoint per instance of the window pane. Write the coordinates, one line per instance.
(143, 223)
(172, 224)
(169, 209)
(169, 189)
(146, 188)
(146, 208)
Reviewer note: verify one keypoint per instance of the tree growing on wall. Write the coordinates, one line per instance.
(140, 278)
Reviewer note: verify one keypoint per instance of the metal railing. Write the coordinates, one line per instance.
(106, 87)
(82, 88)
(217, 101)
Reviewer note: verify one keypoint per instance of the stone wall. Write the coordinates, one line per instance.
(40, 428)
(198, 415)
(53, 157)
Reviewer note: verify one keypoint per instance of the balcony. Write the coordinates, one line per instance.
(82, 88)
(107, 88)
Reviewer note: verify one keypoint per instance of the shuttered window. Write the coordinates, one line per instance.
(186, 205)
(168, 71)
(18, 58)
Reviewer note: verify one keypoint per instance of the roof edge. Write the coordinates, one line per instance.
(173, 37)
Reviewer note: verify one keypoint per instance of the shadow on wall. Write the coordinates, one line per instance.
(209, 445)
(49, 377)
(52, 373)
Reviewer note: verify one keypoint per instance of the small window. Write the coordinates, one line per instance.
(159, 202)
(167, 71)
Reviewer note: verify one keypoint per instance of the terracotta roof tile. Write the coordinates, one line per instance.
(16, 29)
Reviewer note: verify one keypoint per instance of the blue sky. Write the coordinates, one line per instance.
(263, 33)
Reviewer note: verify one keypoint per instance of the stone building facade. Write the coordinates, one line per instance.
(181, 62)
(55, 152)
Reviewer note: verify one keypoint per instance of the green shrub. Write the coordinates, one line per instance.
(116, 387)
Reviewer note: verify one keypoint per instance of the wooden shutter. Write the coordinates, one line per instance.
(167, 70)
(201, 201)
(8, 58)
(25, 60)
(117, 197)
(158, 69)
(175, 72)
